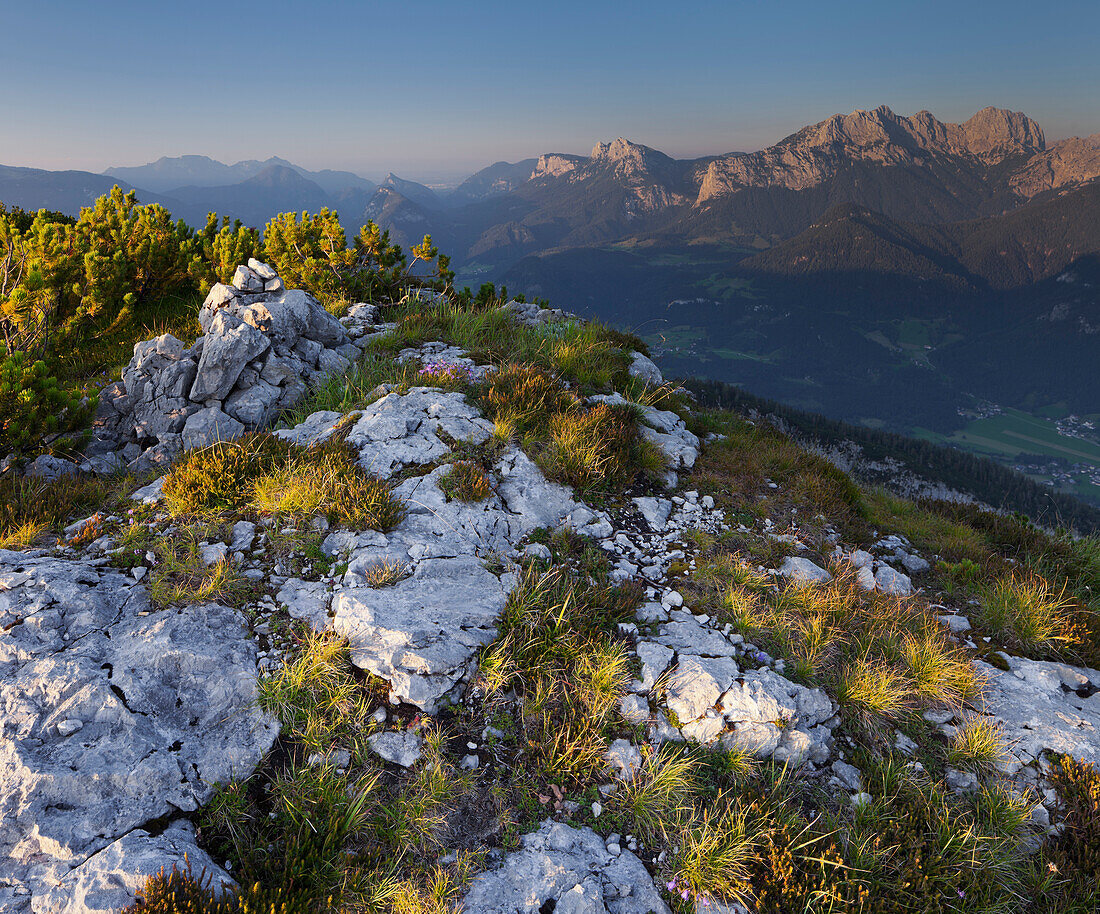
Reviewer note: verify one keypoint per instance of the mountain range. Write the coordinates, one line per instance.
(885, 270)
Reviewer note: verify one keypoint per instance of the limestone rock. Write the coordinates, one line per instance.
(316, 427)
(567, 869)
(166, 703)
(696, 685)
(1043, 705)
(109, 880)
(209, 426)
(891, 581)
(655, 511)
(230, 344)
(402, 747)
(308, 600)
(399, 430)
(49, 468)
(803, 571)
(642, 368)
(254, 407)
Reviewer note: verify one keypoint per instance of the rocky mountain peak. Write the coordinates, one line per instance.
(998, 131)
(619, 150)
(991, 134)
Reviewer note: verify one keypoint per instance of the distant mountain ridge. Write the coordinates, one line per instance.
(914, 170)
(170, 172)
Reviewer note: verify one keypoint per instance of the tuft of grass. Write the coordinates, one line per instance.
(661, 791)
(32, 508)
(873, 690)
(596, 448)
(262, 474)
(978, 745)
(1027, 612)
(180, 575)
(326, 481)
(715, 854)
(524, 397)
(219, 477)
(940, 674)
(556, 650)
(466, 481)
(880, 656)
(317, 696)
(385, 572)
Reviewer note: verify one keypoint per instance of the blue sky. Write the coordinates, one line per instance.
(435, 89)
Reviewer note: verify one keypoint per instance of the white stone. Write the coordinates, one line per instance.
(634, 708)
(803, 571)
(642, 368)
(402, 747)
(891, 581)
(214, 553)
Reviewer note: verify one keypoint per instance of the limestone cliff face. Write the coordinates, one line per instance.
(1072, 161)
(554, 165)
(817, 152)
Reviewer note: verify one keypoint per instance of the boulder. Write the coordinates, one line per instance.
(209, 426)
(803, 571)
(48, 468)
(642, 368)
(109, 880)
(114, 717)
(891, 581)
(229, 346)
(255, 406)
(402, 747)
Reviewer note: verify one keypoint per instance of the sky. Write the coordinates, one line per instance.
(436, 90)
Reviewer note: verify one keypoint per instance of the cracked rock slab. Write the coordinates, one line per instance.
(109, 880)
(165, 703)
(423, 632)
(1045, 706)
(570, 869)
(403, 429)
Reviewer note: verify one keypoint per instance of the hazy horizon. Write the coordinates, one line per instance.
(440, 93)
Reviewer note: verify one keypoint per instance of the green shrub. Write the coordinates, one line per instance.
(32, 404)
(311, 252)
(222, 247)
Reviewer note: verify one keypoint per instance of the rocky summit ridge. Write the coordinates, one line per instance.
(122, 718)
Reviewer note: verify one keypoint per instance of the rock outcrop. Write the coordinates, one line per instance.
(566, 870)
(262, 347)
(113, 717)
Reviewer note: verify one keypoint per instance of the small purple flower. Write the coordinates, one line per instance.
(672, 886)
(962, 894)
(685, 894)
